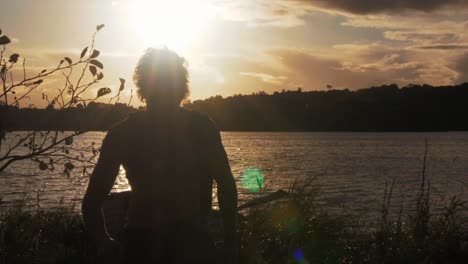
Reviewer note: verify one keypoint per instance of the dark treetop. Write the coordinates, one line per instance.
(384, 108)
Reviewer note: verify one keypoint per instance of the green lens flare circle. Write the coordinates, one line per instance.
(252, 179)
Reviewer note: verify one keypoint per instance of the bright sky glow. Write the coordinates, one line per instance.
(175, 24)
(246, 46)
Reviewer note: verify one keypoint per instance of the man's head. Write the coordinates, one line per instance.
(161, 77)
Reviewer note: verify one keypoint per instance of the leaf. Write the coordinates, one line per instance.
(68, 141)
(4, 40)
(122, 84)
(51, 162)
(38, 81)
(0, 32)
(93, 70)
(68, 60)
(97, 63)
(43, 71)
(95, 53)
(42, 166)
(99, 27)
(103, 91)
(83, 52)
(66, 172)
(69, 166)
(100, 76)
(14, 58)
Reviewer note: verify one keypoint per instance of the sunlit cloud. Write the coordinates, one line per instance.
(263, 12)
(368, 66)
(277, 80)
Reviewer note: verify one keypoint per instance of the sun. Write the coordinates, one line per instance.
(172, 23)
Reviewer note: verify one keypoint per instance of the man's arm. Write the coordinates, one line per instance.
(227, 190)
(227, 198)
(100, 184)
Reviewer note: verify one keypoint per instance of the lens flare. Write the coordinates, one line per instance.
(299, 257)
(253, 179)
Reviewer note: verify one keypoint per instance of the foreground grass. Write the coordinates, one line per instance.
(43, 236)
(294, 230)
(300, 231)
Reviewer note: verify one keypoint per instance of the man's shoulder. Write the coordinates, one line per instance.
(126, 124)
(199, 119)
(193, 113)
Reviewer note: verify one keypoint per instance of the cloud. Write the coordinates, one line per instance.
(444, 47)
(263, 12)
(384, 6)
(267, 78)
(241, 74)
(369, 65)
(461, 66)
(421, 37)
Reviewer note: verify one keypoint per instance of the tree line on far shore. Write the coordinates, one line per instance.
(383, 108)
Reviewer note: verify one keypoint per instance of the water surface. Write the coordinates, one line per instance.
(351, 168)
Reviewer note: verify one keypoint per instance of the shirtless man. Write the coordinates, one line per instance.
(171, 156)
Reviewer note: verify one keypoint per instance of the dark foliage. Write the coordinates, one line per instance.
(95, 116)
(384, 108)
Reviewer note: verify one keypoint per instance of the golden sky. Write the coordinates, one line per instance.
(245, 46)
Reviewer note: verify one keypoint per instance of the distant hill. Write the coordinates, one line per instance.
(95, 116)
(384, 108)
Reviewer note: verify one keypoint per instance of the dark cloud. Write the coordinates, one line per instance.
(383, 6)
(444, 47)
(443, 38)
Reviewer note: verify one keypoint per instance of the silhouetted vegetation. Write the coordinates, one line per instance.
(43, 143)
(294, 230)
(384, 108)
(95, 116)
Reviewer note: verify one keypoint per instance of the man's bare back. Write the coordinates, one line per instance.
(171, 157)
(166, 160)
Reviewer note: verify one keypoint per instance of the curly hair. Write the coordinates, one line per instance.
(161, 76)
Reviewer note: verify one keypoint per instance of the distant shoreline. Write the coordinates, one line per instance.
(388, 108)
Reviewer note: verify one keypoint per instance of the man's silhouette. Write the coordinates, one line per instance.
(171, 156)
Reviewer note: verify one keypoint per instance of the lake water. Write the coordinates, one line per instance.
(351, 168)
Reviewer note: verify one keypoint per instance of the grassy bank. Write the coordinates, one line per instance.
(301, 231)
(43, 236)
(293, 230)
